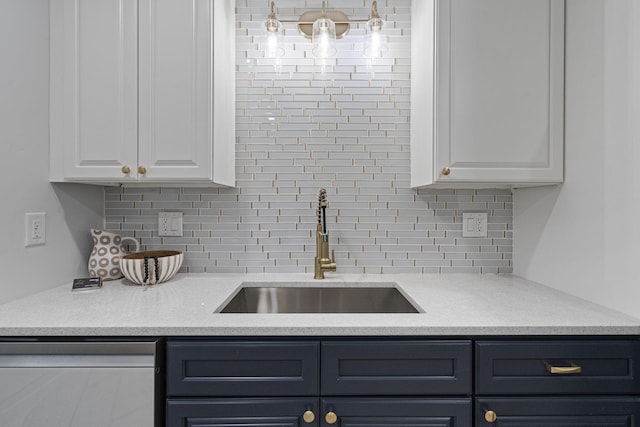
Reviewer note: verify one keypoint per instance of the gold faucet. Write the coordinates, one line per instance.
(323, 262)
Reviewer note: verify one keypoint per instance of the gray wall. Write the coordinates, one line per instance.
(582, 237)
(298, 130)
(24, 163)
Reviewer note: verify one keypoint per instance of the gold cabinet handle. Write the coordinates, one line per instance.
(331, 417)
(309, 417)
(125, 169)
(142, 170)
(490, 416)
(446, 170)
(564, 370)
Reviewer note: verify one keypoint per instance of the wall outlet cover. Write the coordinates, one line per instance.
(170, 224)
(34, 229)
(474, 224)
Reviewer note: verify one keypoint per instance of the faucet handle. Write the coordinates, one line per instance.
(333, 255)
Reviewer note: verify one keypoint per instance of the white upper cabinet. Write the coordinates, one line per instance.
(487, 92)
(94, 100)
(137, 93)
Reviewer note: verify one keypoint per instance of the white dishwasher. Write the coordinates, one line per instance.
(77, 384)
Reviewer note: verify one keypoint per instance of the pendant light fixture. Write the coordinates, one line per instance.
(324, 27)
(273, 43)
(375, 40)
(324, 37)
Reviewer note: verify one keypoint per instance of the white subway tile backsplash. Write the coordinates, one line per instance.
(299, 129)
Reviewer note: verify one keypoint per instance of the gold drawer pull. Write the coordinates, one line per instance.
(490, 416)
(126, 169)
(564, 370)
(142, 170)
(331, 417)
(446, 170)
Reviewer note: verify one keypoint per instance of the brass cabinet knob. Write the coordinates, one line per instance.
(142, 170)
(446, 170)
(331, 417)
(490, 416)
(309, 417)
(126, 169)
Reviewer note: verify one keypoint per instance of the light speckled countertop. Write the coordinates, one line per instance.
(453, 304)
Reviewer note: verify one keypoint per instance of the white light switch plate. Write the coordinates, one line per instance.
(170, 224)
(474, 224)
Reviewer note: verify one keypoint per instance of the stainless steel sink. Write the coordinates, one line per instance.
(325, 299)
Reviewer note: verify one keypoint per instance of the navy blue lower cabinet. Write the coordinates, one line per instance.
(596, 367)
(244, 412)
(242, 368)
(554, 411)
(396, 412)
(399, 368)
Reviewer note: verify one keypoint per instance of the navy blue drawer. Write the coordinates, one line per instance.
(398, 412)
(386, 368)
(242, 368)
(612, 411)
(244, 412)
(558, 367)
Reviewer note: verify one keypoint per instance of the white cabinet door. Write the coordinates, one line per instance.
(93, 89)
(495, 113)
(176, 113)
(139, 92)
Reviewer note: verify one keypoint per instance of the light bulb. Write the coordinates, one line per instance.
(324, 38)
(375, 43)
(273, 44)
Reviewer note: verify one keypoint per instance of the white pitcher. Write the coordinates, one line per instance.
(106, 254)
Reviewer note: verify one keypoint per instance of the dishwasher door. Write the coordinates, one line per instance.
(74, 384)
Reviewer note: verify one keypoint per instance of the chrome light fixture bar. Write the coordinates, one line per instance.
(324, 27)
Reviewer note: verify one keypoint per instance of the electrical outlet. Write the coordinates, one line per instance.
(35, 230)
(170, 224)
(474, 224)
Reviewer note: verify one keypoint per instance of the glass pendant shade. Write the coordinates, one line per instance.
(375, 40)
(273, 43)
(324, 38)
